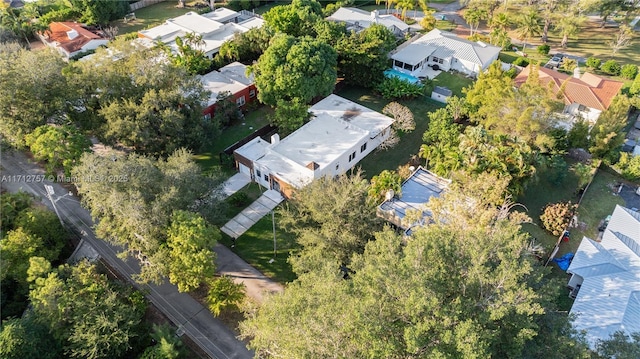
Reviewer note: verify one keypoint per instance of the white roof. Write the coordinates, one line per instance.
(254, 22)
(213, 32)
(237, 72)
(609, 297)
(365, 19)
(253, 149)
(446, 45)
(223, 80)
(221, 14)
(336, 127)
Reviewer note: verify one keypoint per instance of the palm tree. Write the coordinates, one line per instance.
(528, 26)
(568, 26)
(405, 5)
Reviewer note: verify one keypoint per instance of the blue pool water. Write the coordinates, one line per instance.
(401, 75)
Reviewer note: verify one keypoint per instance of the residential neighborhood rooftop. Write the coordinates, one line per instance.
(71, 36)
(363, 19)
(608, 299)
(444, 44)
(417, 190)
(230, 78)
(589, 90)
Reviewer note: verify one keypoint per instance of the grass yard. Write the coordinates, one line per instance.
(445, 25)
(532, 56)
(377, 161)
(209, 157)
(151, 16)
(256, 248)
(591, 41)
(453, 81)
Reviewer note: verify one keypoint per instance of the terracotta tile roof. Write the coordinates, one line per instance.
(589, 90)
(58, 32)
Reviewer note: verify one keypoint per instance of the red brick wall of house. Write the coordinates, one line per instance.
(247, 98)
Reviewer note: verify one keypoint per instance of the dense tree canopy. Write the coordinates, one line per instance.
(295, 69)
(33, 90)
(133, 198)
(59, 146)
(295, 19)
(461, 288)
(331, 219)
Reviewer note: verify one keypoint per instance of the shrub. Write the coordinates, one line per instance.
(511, 73)
(593, 63)
(611, 67)
(428, 23)
(239, 199)
(577, 137)
(635, 86)
(402, 115)
(544, 49)
(629, 166)
(556, 216)
(568, 64)
(629, 71)
(223, 294)
(521, 61)
(392, 88)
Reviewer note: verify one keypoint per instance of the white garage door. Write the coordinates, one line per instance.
(244, 169)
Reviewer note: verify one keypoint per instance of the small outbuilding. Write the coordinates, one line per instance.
(441, 94)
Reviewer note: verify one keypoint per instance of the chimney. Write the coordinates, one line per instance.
(72, 34)
(576, 72)
(275, 139)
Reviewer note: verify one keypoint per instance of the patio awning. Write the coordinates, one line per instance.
(413, 55)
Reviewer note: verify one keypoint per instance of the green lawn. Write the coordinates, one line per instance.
(209, 157)
(151, 16)
(445, 25)
(454, 82)
(256, 248)
(532, 55)
(379, 160)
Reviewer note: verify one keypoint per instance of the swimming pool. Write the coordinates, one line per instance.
(401, 75)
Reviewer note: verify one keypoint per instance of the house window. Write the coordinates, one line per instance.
(206, 117)
(363, 147)
(258, 173)
(337, 166)
(252, 93)
(437, 59)
(408, 67)
(582, 108)
(352, 156)
(266, 178)
(240, 101)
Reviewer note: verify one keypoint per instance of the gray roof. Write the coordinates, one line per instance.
(448, 44)
(609, 297)
(442, 91)
(417, 190)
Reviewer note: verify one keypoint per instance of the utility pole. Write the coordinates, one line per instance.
(51, 192)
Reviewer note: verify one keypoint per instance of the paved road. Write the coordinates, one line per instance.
(213, 337)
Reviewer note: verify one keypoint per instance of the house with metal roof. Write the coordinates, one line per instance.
(358, 20)
(72, 38)
(416, 191)
(215, 27)
(605, 279)
(584, 96)
(442, 50)
(339, 135)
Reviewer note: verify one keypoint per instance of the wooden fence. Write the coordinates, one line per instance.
(143, 3)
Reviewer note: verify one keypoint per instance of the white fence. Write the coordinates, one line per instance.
(143, 3)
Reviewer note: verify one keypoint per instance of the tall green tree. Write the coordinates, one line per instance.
(191, 257)
(331, 220)
(27, 337)
(450, 291)
(92, 316)
(294, 68)
(33, 90)
(133, 198)
(59, 146)
(295, 19)
(363, 56)
(290, 115)
(607, 134)
(528, 26)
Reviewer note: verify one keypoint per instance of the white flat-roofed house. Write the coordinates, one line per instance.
(358, 20)
(445, 51)
(605, 279)
(340, 134)
(215, 28)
